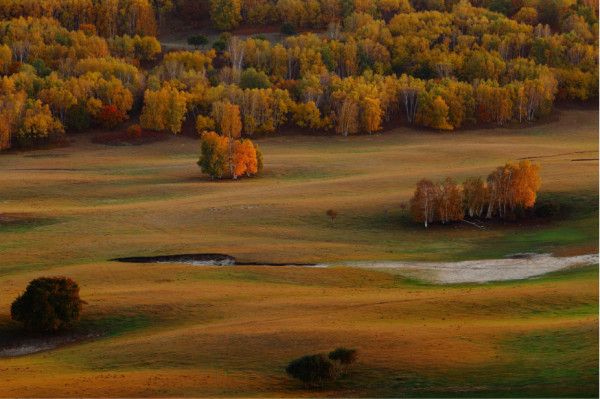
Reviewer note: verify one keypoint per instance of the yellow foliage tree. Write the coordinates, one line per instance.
(164, 109)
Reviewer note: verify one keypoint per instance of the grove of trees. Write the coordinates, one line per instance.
(225, 157)
(506, 190)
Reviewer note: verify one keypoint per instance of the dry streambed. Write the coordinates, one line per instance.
(516, 267)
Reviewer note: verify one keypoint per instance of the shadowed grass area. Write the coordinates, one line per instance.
(23, 223)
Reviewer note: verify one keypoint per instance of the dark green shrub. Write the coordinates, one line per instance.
(288, 29)
(48, 304)
(197, 40)
(312, 370)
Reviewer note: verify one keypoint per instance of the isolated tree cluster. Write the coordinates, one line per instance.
(507, 189)
(226, 155)
(317, 370)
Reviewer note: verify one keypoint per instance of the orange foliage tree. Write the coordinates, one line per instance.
(246, 159)
(512, 186)
(449, 201)
(230, 124)
(423, 202)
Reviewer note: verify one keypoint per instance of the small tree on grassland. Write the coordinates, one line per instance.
(48, 304)
(331, 214)
(246, 159)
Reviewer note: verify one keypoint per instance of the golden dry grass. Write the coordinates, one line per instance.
(214, 331)
(171, 330)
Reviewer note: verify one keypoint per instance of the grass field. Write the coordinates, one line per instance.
(173, 330)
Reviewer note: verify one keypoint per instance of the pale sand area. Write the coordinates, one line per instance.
(478, 271)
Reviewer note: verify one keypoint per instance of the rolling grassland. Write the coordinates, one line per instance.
(171, 330)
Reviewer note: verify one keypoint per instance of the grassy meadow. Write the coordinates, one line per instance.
(173, 330)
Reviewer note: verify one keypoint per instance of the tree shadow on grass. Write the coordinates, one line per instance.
(15, 341)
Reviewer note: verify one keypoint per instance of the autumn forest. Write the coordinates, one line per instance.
(299, 198)
(70, 65)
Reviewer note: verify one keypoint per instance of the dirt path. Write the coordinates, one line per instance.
(479, 271)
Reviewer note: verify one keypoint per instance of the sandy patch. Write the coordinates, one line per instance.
(480, 271)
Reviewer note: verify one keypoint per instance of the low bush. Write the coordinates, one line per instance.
(312, 370)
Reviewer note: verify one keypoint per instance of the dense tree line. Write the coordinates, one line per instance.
(106, 17)
(437, 64)
(442, 70)
(506, 190)
(560, 15)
